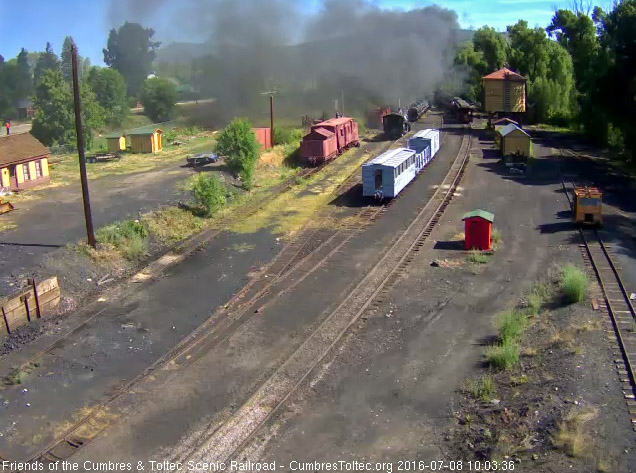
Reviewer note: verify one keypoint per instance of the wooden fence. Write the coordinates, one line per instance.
(33, 302)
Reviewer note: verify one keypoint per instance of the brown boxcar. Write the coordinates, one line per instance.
(318, 145)
(343, 131)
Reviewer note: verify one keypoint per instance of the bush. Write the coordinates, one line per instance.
(238, 145)
(573, 283)
(129, 237)
(158, 97)
(287, 136)
(503, 356)
(512, 324)
(209, 193)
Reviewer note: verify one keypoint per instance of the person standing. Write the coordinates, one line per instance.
(7, 125)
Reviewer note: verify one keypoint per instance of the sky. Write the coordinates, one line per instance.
(31, 23)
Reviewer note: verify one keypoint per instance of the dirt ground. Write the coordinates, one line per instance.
(396, 389)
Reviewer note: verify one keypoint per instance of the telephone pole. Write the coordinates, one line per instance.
(80, 150)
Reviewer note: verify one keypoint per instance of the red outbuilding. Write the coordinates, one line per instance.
(477, 229)
(263, 136)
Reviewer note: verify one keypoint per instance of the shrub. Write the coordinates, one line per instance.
(287, 136)
(16, 376)
(159, 97)
(573, 283)
(503, 356)
(209, 193)
(512, 324)
(238, 145)
(129, 237)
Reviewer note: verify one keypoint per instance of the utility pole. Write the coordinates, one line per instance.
(271, 119)
(342, 93)
(80, 150)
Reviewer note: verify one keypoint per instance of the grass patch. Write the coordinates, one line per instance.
(573, 283)
(503, 356)
(482, 388)
(172, 224)
(570, 436)
(511, 324)
(16, 376)
(5, 226)
(495, 238)
(536, 298)
(129, 237)
(478, 257)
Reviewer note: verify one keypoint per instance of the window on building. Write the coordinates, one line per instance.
(38, 169)
(25, 172)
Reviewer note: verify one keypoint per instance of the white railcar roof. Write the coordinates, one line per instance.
(425, 133)
(392, 158)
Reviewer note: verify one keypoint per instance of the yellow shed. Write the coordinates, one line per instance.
(116, 142)
(145, 140)
(505, 92)
(514, 141)
(24, 162)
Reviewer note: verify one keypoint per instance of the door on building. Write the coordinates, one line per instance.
(378, 179)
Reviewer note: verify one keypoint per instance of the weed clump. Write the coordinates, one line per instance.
(570, 435)
(573, 283)
(129, 237)
(503, 356)
(478, 257)
(482, 388)
(512, 324)
(16, 376)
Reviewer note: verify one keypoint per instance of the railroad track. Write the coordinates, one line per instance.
(598, 259)
(294, 263)
(225, 440)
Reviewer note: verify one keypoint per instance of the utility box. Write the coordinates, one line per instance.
(477, 230)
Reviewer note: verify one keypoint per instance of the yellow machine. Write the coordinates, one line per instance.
(5, 206)
(588, 206)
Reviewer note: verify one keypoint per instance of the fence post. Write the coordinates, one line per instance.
(6, 322)
(25, 299)
(35, 295)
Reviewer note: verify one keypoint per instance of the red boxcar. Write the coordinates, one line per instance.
(328, 139)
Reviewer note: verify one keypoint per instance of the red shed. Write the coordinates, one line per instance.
(477, 228)
(263, 136)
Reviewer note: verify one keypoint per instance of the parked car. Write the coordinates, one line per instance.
(202, 159)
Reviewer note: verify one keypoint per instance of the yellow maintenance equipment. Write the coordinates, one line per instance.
(588, 206)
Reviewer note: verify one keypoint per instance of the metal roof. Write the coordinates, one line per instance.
(335, 121)
(392, 158)
(479, 213)
(424, 134)
(114, 135)
(506, 130)
(144, 131)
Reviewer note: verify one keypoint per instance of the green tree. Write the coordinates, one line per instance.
(54, 121)
(528, 53)
(131, 51)
(66, 61)
(618, 84)
(493, 47)
(158, 97)
(24, 78)
(473, 66)
(110, 92)
(238, 145)
(46, 60)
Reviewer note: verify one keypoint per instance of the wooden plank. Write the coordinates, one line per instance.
(15, 309)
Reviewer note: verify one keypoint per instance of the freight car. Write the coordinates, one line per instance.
(417, 109)
(375, 115)
(395, 125)
(387, 174)
(328, 139)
